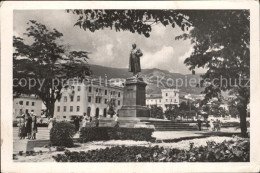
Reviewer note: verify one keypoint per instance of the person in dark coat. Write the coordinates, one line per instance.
(199, 124)
(97, 121)
(28, 125)
(34, 126)
(76, 123)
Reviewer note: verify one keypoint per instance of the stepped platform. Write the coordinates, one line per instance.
(164, 125)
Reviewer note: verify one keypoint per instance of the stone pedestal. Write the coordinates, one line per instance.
(134, 105)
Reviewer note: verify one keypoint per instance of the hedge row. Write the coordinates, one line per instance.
(109, 133)
(62, 134)
(227, 151)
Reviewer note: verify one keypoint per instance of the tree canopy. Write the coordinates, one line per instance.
(43, 65)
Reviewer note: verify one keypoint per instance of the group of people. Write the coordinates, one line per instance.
(210, 124)
(27, 124)
(88, 119)
(214, 125)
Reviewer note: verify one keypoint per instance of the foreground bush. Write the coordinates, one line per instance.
(62, 134)
(110, 133)
(227, 151)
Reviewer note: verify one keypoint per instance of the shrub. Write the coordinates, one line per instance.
(227, 151)
(60, 148)
(109, 133)
(62, 134)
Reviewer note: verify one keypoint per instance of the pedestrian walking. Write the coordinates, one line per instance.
(50, 123)
(21, 125)
(34, 126)
(218, 124)
(84, 120)
(199, 124)
(211, 124)
(116, 121)
(28, 125)
(97, 121)
(76, 123)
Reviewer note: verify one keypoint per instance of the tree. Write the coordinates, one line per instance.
(222, 47)
(43, 66)
(156, 112)
(184, 106)
(220, 41)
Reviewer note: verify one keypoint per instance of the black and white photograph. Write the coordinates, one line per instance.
(109, 85)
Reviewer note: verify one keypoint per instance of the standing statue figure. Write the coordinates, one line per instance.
(134, 60)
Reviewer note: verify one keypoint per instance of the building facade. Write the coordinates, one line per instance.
(26, 103)
(164, 99)
(88, 97)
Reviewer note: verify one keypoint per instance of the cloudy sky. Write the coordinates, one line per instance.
(111, 48)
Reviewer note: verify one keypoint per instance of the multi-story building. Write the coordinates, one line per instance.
(26, 103)
(167, 97)
(90, 97)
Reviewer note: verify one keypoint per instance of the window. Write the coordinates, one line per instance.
(32, 110)
(78, 98)
(71, 108)
(71, 98)
(98, 99)
(111, 92)
(78, 108)
(90, 89)
(21, 111)
(65, 98)
(21, 102)
(175, 100)
(27, 103)
(105, 92)
(64, 117)
(105, 101)
(166, 94)
(64, 109)
(171, 100)
(175, 93)
(97, 90)
(166, 100)
(160, 100)
(79, 88)
(89, 99)
(58, 108)
(118, 94)
(26, 111)
(32, 103)
(118, 102)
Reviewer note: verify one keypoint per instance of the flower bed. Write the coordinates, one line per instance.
(227, 151)
(109, 133)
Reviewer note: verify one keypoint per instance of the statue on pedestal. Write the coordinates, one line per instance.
(134, 60)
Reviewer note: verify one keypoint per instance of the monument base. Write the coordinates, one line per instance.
(134, 109)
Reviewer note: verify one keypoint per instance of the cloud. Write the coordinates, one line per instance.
(157, 59)
(103, 54)
(182, 58)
